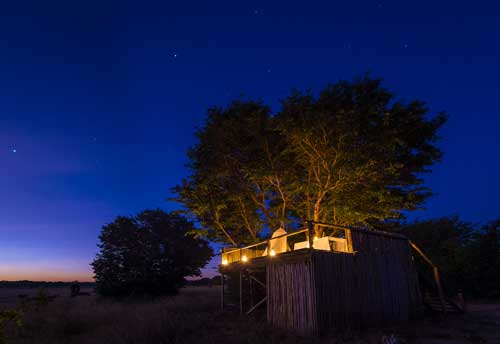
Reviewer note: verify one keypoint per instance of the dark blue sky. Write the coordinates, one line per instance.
(99, 101)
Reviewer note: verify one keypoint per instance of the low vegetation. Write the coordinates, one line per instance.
(190, 317)
(193, 316)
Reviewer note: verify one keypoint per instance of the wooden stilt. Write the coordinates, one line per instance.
(241, 292)
(251, 288)
(222, 291)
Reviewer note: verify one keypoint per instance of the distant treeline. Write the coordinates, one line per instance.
(467, 254)
(205, 281)
(37, 285)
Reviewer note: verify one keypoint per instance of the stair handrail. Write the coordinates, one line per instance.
(435, 271)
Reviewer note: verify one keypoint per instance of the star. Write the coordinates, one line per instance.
(175, 55)
(269, 70)
(405, 45)
(14, 150)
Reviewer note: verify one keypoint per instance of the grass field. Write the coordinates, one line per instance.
(193, 316)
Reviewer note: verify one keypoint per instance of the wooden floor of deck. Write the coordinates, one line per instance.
(285, 257)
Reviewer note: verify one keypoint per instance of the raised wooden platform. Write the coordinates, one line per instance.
(313, 291)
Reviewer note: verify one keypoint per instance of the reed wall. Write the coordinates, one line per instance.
(326, 291)
(291, 301)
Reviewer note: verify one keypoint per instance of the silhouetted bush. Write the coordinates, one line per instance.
(148, 254)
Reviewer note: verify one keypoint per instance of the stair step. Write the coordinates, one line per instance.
(437, 307)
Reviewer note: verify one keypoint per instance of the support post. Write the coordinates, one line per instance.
(251, 288)
(461, 300)
(222, 291)
(241, 292)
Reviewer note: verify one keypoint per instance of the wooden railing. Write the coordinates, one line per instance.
(246, 253)
(435, 272)
(264, 248)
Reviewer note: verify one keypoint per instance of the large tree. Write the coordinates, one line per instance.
(148, 254)
(351, 155)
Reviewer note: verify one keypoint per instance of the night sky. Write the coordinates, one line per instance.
(99, 101)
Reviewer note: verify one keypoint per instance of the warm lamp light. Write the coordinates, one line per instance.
(315, 238)
(272, 253)
(224, 262)
(244, 259)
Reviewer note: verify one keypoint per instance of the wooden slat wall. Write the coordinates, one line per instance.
(325, 291)
(376, 242)
(291, 300)
(363, 290)
(397, 247)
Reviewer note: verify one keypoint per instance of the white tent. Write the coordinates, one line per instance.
(277, 245)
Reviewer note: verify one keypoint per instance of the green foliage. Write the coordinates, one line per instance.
(468, 255)
(352, 155)
(482, 261)
(148, 254)
(9, 317)
(41, 299)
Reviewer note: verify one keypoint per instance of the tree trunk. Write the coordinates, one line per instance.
(318, 231)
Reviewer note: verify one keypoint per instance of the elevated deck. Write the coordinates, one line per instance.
(263, 261)
(287, 245)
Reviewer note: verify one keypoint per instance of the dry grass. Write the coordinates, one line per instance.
(193, 316)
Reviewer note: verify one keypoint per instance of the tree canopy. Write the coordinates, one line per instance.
(350, 155)
(150, 253)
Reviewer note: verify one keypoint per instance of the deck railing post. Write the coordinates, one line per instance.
(348, 236)
(310, 231)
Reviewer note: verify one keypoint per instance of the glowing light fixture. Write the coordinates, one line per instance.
(272, 253)
(224, 262)
(315, 238)
(244, 259)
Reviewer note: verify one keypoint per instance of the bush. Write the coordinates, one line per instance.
(148, 254)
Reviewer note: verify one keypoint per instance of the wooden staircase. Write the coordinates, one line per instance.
(435, 302)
